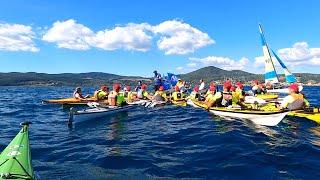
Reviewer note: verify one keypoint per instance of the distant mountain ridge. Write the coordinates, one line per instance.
(64, 79)
(98, 78)
(210, 73)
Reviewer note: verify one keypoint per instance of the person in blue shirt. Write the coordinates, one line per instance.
(157, 80)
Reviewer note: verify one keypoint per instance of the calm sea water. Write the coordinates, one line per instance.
(169, 142)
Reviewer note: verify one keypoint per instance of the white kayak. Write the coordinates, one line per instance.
(93, 113)
(266, 118)
(257, 117)
(191, 103)
(282, 90)
(152, 104)
(141, 102)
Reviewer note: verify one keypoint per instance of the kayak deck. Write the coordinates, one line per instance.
(69, 101)
(94, 113)
(15, 159)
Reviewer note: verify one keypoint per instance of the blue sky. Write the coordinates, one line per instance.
(135, 38)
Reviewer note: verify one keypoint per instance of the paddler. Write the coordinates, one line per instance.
(160, 95)
(143, 93)
(157, 80)
(114, 98)
(179, 83)
(255, 87)
(201, 86)
(238, 94)
(78, 94)
(195, 93)
(130, 95)
(226, 94)
(295, 100)
(212, 96)
(102, 93)
(139, 86)
(177, 95)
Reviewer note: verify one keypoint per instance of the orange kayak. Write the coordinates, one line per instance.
(69, 101)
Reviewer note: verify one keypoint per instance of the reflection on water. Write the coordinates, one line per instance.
(117, 125)
(315, 140)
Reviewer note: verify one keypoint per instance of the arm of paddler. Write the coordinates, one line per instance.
(285, 102)
(306, 102)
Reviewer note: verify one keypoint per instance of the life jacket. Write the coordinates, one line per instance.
(298, 102)
(100, 95)
(177, 96)
(194, 95)
(160, 96)
(226, 99)
(179, 84)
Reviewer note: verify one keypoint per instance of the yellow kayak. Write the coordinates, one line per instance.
(179, 103)
(311, 113)
(267, 96)
(314, 116)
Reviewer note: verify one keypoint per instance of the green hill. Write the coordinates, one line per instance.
(209, 73)
(64, 79)
(213, 73)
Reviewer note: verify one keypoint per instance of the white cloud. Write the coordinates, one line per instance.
(300, 53)
(180, 68)
(129, 37)
(176, 37)
(180, 38)
(69, 34)
(222, 62)
(192, 65)
(17, 37)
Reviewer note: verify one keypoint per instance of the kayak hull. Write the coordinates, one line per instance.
(141, 102)
(282, 90)
(182, 103)
(94, 113)
(265, 118)
(257, 117)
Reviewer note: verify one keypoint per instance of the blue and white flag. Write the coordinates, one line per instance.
(173, 79)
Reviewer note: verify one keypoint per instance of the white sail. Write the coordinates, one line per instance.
(290, 78)
(270, 72)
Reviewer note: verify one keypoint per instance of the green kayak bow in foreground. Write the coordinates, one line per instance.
(15, 159)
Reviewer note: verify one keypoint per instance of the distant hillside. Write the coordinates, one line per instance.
(216, 74)
(65, 79)
(97, 78)
(213, 73)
